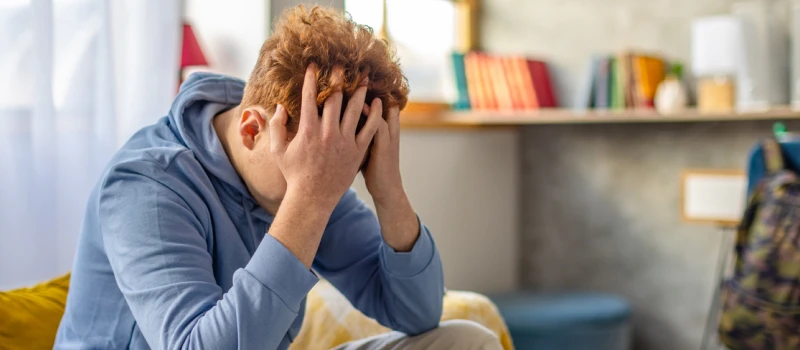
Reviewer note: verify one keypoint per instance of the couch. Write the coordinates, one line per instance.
(29, 317)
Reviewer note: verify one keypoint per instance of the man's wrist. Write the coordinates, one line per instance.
(398, 222)
(390, 197)
(300, 223)
(314, 200)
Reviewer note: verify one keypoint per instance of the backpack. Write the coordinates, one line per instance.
(760, 303)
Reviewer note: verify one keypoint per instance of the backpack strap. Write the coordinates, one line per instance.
(773, 157)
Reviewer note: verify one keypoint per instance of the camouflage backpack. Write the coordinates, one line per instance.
(761, 301)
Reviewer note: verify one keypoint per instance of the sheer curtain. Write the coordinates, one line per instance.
(77, 78)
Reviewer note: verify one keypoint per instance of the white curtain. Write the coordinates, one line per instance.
(77, 78)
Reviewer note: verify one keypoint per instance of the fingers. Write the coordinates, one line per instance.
(277, 130)
(374, 121)
(393, 121)
(309, 119)
(353, 111)
(333, 104)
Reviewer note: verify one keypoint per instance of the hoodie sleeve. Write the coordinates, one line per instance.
(402, 291)
(157, 246)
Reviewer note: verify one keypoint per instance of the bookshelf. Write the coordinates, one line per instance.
(444, 119)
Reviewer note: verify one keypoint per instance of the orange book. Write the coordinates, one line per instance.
(484, 67)
(514, 84)
(528, 91)
(640, 76)
(473, 81)
(500, 85)
(656, 73)
(649, 72)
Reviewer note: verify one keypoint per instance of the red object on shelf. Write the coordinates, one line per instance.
(191, 53)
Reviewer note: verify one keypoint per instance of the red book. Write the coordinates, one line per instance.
(542, 84)
(528, 92)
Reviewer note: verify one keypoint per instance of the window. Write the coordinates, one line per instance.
(425, 33)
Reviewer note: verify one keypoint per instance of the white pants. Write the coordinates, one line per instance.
(454, 334)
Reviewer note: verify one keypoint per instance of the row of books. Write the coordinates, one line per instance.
(627, 80)
(501, 83)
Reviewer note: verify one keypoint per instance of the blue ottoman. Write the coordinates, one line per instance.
(567, 321)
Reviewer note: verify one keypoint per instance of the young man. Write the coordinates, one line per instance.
(204, 229)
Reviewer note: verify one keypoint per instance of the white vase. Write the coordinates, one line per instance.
(671, 96)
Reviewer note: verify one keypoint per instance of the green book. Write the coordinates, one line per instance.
(618, 84)
(613, 68)
(462, 100)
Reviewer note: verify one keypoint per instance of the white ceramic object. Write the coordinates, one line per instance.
(763, 73)
(671, 96)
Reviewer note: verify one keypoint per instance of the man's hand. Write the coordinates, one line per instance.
(398, 220)
(319, 164)
(323, 158)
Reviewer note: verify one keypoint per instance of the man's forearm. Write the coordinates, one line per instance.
(399, 223)
(299, 225)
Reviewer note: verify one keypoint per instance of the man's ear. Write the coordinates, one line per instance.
(251, 124)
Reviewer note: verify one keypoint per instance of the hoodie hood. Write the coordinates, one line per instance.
(201, 97)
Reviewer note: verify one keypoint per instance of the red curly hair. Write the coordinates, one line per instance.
(329, 39)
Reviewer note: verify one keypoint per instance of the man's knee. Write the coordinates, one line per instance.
(463, 334)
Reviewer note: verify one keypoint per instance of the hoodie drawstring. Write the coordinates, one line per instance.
(249, 223)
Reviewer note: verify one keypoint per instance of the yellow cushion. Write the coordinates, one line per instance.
(331, 320)
(29, 317)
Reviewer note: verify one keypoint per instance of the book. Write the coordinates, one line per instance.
(504, 83)
(613, 83)
(585, 97)
(502, 93)
(649, 72)
(542, 84)
(619, 100)
(484, 67)
(601, 96)
(514, 83)
(630, 87)
(529, 92)
(459, 72)
(474, 83)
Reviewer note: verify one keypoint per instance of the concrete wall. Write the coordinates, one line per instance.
(600, 212)
(600, 202)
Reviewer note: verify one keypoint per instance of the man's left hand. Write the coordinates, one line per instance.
(382, 175)
(398, 220)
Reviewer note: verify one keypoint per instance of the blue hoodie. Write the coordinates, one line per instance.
(174, 253)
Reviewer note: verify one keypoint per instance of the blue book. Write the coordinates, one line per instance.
(602, 83)
(586, 90)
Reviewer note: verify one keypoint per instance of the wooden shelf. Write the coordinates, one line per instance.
(471, 119)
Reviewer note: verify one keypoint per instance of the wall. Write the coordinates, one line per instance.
(600, 202)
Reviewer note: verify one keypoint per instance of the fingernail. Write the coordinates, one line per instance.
(279, 108)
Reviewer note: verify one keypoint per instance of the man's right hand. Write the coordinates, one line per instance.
(319, 163)
(323, 159)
